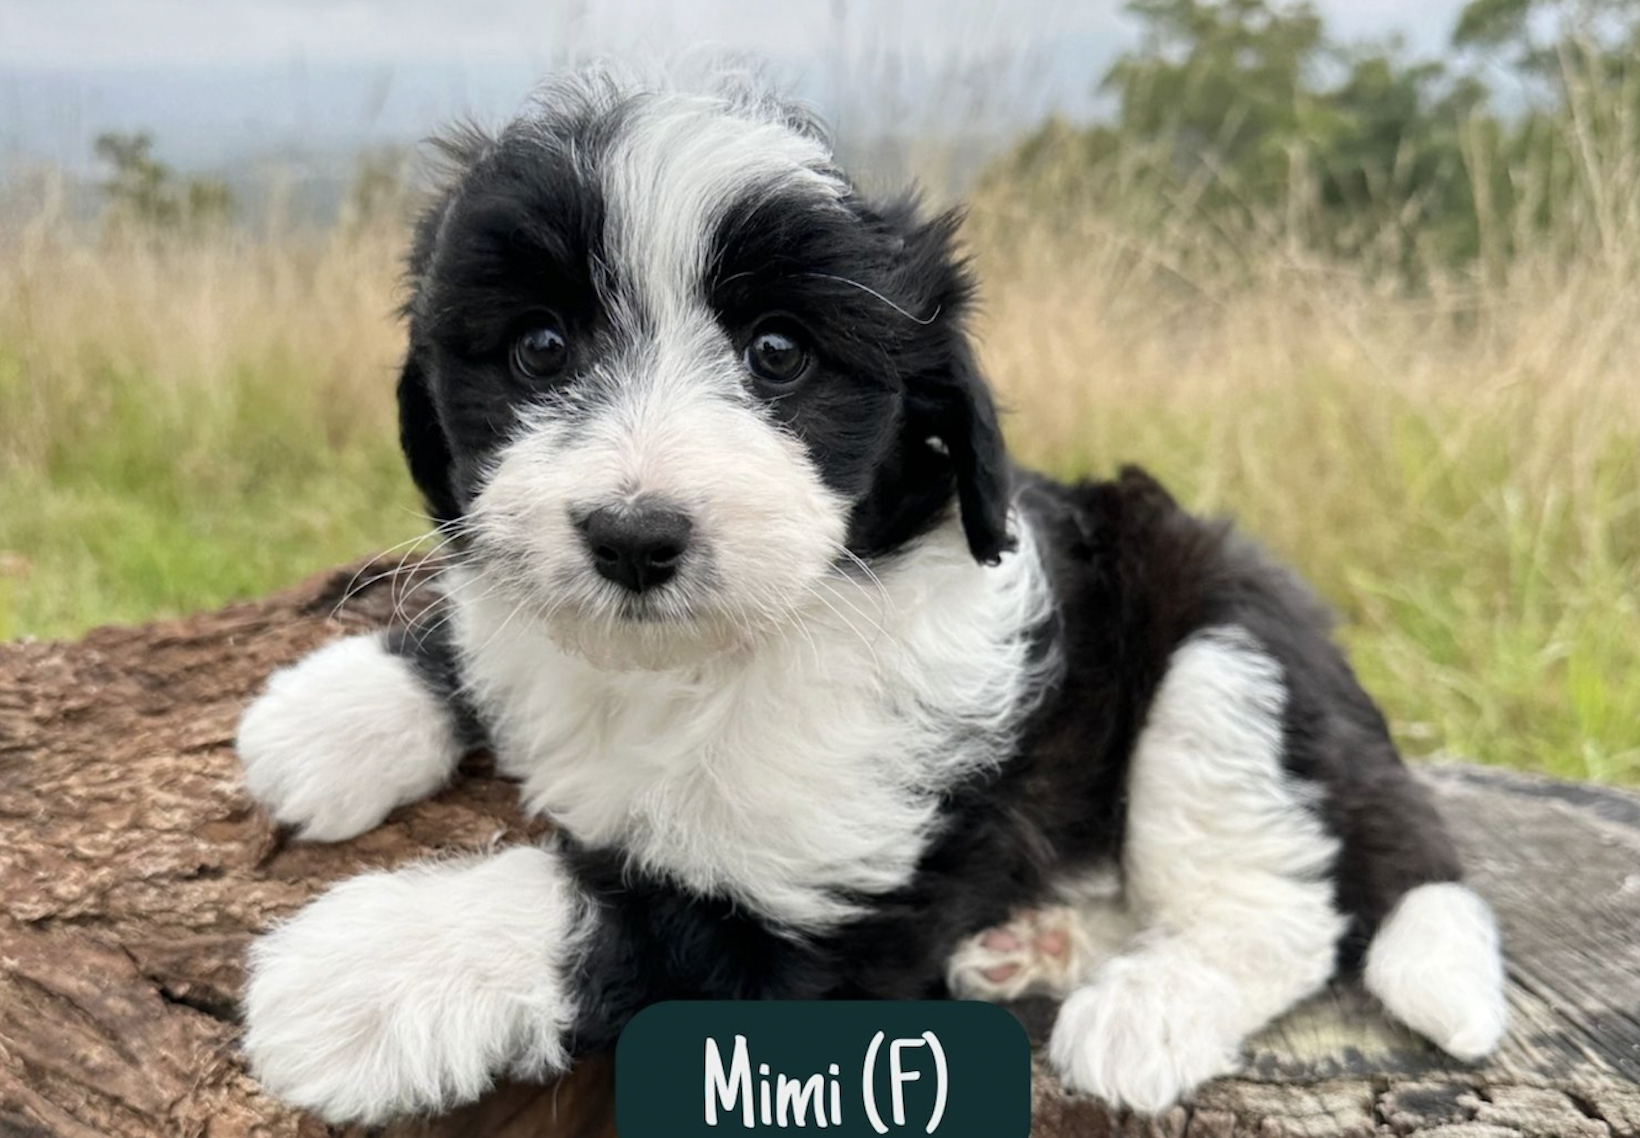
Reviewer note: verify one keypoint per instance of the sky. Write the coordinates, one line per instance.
(216, 80)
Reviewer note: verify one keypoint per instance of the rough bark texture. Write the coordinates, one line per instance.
(133, 872)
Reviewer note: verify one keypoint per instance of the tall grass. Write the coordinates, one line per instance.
(188, 420)
(1451, 455)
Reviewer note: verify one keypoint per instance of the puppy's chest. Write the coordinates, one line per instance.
(784, 802)
(783, 789)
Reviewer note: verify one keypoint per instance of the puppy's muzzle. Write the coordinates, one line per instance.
(638, 545)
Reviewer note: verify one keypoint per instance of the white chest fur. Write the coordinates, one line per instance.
(785, 774)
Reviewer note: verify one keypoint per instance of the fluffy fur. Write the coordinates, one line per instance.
(891, 719)
(1226, 867)
(398, 992)
(873, 701)
(1435, 965)
(337, 742)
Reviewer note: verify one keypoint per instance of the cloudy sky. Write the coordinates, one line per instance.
(221, 78)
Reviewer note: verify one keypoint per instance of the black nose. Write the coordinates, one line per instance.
(637, 546)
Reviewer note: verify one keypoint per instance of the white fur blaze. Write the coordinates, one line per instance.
(789, 776)
(1437, 967)
(1227, 871)
(409, 991)
(342, 737)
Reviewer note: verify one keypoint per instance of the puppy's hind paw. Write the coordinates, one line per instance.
(1436, 965)
(1035, 953)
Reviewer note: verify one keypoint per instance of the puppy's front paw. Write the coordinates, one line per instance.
(1150, 1029)
(344, 736)
(408, 991)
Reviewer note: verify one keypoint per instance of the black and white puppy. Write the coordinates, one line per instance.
(824, 698)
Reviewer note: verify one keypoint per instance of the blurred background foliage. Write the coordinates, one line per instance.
(1239, 109)
(1384, 309)
(141, 190)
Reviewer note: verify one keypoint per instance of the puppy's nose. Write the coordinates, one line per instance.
(637, 546)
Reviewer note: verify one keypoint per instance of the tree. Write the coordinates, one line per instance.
(1532, 27)
(1248, 116)
(1224, 83)
(1573, 157)
(143, 189)
(1255, 117)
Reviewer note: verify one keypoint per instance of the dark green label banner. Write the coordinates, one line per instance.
(948, 1069)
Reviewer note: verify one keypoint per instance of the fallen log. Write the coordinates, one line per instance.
(134, 872)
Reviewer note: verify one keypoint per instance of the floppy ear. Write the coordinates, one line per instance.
(949, 398)
(422, 439)
(421, 434)
(963, 417)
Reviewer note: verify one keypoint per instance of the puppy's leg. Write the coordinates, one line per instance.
(1227, 867)
(409, 991)
(345, 735)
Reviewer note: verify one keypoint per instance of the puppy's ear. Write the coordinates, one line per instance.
(422, 438)
(957, 406)
(951, 398)
(421, 435)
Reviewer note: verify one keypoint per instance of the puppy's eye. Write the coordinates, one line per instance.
(542, 350)
(777, 352)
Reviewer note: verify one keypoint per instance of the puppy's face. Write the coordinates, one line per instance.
(668, 372)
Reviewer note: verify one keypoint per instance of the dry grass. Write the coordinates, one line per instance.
(192, 420)
(1456, 466)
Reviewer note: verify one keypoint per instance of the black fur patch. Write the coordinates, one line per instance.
(427, 645)
(885, 298)
(519, 233)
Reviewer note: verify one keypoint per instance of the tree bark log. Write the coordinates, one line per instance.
(134, 872)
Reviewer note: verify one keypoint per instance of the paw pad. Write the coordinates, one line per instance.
(1031, 953)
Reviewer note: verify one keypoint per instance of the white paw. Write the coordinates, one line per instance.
(1151, 1028)
(1437, 966)
(1036, 952)
(342, 737)
(408, 991)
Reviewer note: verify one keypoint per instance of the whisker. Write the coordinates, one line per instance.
(447, 601)
(355, 586)
(882, 632)
(884, 601)
(516, 609)
(864, 567)
(802, 627)
(401, 598)
(869, 646)
(873, 292)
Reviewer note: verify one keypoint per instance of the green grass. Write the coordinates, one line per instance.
(149, 508)
(1472, 607)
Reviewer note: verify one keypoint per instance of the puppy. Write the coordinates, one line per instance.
(824, 698)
